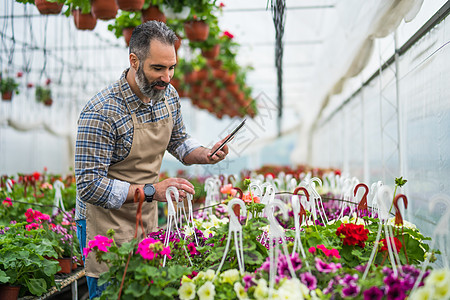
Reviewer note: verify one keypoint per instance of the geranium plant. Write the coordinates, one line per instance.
(23, 249)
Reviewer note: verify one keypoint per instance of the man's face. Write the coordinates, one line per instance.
(155, 72)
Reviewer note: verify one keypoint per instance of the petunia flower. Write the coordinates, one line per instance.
(206, 291)
(187, 291)
(324, 267)
(351, 290)
(374, 293)
(309, 279)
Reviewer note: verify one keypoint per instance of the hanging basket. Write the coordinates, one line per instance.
(104, 9)
(211, 53)
(153, 13)
(196, 31)
(127, 34)
(7, 96)
(130, 5)
(84, 21)
(48, 8)
(9, 292)
(48, 102)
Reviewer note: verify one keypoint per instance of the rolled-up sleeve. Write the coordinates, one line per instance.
(94, 148)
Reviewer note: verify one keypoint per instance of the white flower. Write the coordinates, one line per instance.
(440, 281)
(185, 279)
(290, 289)
(240, 291)
(230, 276)
(261, 290)
(206, 291)
(422, 293)
(188, 230)
(209, 275)
(187, 291)
(406, 224)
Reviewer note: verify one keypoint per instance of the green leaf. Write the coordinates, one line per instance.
(3, 277)
(37, 286)
(136, 289)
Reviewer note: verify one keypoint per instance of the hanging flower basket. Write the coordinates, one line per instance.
(7, 96)
(196, 31)
(153, 13)
(104, 9)
(219, 73)
(48, 8)
(214, 63)
(211, 53)
(130, 5)
(84, 21)
(127, 34)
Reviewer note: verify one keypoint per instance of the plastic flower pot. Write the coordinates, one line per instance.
(104, 9)
(48, 8)
(196, 31)
(211, 53)
(65, 264)
(127, 34)
(153, 13)
(130, 5)
(9, 292)
(7, 96)
(84, 21)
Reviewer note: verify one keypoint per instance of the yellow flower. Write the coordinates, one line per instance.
(185, 279)
(240, 291)
(261, 290)
(187, 291)
(206, 291)
(230, 276)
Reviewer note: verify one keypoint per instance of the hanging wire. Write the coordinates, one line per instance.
(11, 53)
(278, 8)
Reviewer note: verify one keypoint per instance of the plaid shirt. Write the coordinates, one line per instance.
(105, 135)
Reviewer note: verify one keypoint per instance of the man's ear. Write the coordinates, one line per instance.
(134, 61)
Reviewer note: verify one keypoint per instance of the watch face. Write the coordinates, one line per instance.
(149, 190)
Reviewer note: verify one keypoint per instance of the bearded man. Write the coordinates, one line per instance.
(123, 132)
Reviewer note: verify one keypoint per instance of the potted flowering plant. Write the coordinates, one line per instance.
(8, 86)
(23, 249)
(44, 95)
(124, 24)
(144, 278)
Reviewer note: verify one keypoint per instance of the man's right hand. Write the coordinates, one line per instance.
(181, 184)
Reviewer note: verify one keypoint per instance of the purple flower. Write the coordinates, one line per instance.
(248, 279)
(309, 280)
(323, 267)
(296, 262)
(395, 292)
(361, 268)
(329, 288)
(265, 266)
(391, 280)
(373, 293)
(351, 290)
(349, 279)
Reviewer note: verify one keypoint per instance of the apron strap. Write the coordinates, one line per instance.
(139, 196)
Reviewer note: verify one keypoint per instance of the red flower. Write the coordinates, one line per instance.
(48, 81)
(221, 5)
(228, 34)
(7, 202)
(398, 244)
(30, 85)
(19, 74)
(352, 234)
(36, 176)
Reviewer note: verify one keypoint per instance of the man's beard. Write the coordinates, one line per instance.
(148, 89)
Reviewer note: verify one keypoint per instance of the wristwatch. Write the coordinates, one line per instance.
(149, 192)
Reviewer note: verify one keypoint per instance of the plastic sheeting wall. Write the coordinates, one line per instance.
(363, 136)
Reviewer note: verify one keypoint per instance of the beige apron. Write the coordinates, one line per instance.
(141, 166)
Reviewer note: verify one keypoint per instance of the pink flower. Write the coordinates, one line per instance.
(86, 251)
(192, 249)
(324, 267)
(221, 5)
(48, 81)
(32, 226)
(248, 198)
(333, 252)
(101, 242)
(7, 202)
(35, 215)
(312, 250)
(46, 185)
(146, 248)
(228, 189)
(228, 34)
(166, 251)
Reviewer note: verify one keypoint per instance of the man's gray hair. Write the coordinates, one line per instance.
(145, 33)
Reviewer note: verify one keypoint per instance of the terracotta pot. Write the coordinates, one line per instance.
(196, 90)
(65, 264)
(127, 34)
(190, 77)
(48, 102)
(211, 53)
(48, 8)
(202, 74)
(233, 88)
(130, 5)
(9, 292)
(219, 73)
(230, 78)
(7, 96)
(74, 265)
(104, 9)
(153, 13)
(84, 21)
(196, 31)
(214, 63)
